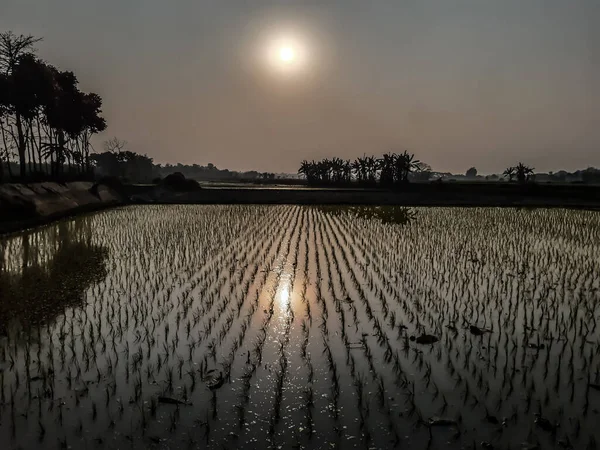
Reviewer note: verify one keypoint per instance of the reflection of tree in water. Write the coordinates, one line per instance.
(386, 214)
(57, 264)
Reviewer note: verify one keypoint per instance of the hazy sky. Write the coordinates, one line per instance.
(458, 82)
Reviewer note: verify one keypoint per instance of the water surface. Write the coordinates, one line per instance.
(290, 326)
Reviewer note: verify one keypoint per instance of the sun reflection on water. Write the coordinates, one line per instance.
(285, 293)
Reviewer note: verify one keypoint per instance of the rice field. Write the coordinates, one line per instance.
(302, 327)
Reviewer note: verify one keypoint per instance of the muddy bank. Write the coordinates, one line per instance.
(27, 205)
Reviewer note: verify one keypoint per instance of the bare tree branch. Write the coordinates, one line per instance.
(114, 145)
(12, 47)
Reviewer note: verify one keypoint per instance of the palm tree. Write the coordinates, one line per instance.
(368, 170)
(306, 170)
(347, 170)
(524, 173)
(372, 166)
(405, 164)
(386, 169)
(324, 170)
(510, 173)
(359, 166)
(337, 170)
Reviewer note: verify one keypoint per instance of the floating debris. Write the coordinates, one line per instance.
(214, 381)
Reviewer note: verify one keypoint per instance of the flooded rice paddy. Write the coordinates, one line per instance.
(302, 327)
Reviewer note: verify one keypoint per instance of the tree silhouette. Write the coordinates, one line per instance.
(524, 173)
(114, 145)
(12, 50)
(118, 162)
(509, 173)
(44, 116)
(471, 173)
(389, 170)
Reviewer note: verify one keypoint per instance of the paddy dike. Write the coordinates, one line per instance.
(414, 194)
(27, 205)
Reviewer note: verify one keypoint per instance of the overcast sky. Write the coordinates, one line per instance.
(460, 83)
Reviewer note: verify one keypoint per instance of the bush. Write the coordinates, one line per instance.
(178, 182)
(174, 179)
(113, 183)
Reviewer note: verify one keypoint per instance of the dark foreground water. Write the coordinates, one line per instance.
(302, 327)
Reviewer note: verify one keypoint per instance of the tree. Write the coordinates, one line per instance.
(389, 170)
(307, 170)
(590, 175)
(12, 49)
(471, 173)
(423, 173)
(509, 173)
(93, 122)
(44, 116)
(386, 169)
(116, 162)
(404, 165)
(4, 108)
(524, 173)
(359, 166)
(114, 145)
(267, 176)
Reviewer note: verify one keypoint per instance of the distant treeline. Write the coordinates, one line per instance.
(397, 169)
(591, 175)
(115, 161)
(211, 173)
(46, 122)
(390, 170)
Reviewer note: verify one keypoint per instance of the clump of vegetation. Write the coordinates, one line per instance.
(521, 172)
(390, 170)
(178, 182)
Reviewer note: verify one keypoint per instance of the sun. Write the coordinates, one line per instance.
(287, 54)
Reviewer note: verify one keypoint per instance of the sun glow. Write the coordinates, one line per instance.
(286, 54)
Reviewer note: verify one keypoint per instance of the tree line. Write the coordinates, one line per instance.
(117, 161)
(391, 169)
(45, 120)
